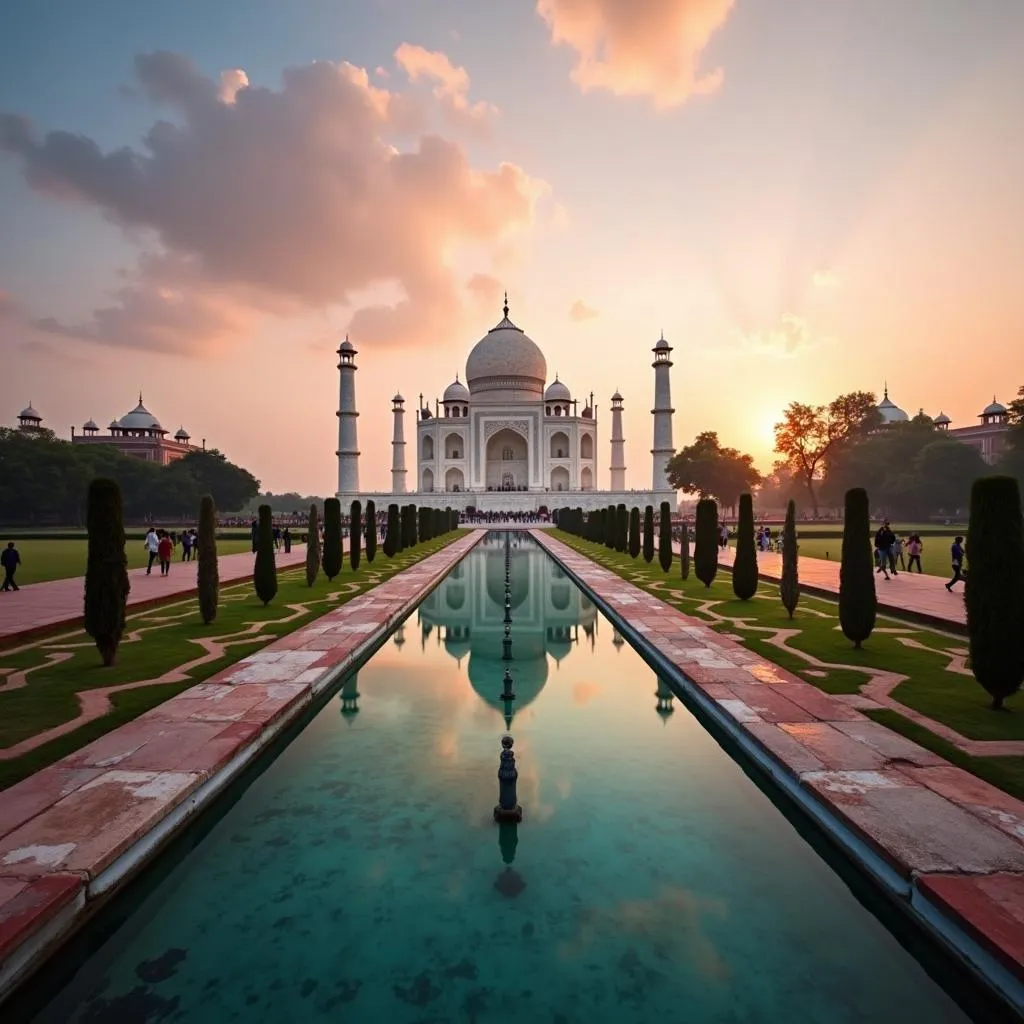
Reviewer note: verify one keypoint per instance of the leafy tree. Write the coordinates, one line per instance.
(705, 544)
(708, 469)
(332, 553)
(312, 545)
(371, 530)
(634, 532)
(106, 569)
(778, 488)
(648, 542)
(944, 471)
(355, 534)
(810, 435)
(789, 584)
(621, 527)
(230, 486)
(684, 552)
(665, 537)
(858, 602)
(744, 566)
(207, 576)
(994, 592)
(391, 533)
(265, 573)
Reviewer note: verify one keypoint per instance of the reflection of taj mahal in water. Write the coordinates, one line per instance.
(467, 616)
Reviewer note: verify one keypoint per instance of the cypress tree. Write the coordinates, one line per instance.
(207, 577)
(634, 532)
(789, 585)
(665, 537)
(390, 545)
(610, 520)
(448, 520)
(858, 602)
(621, 527)
(744, 566)
(994, 592)
(106, 568)
(404, 513)
(424, 525)
(684, 553)
(705, 541)
(371, 530)
(265, 573)
(312, 546)
(648, 544)
(332, 554)
(355, 534)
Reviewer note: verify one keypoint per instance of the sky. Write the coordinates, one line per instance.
(200, 200)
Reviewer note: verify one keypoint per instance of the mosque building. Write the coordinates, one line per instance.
(505, 439)
(137, 433)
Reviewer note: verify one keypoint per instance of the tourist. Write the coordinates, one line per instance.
(277, 538)
(287, 538)
(896, 553)
(165, 548)
(723, 536)
(914, 549)
(10, 560)
(956, 552)
(255, 531)
(186, 546)
(152, 546)
(883, 550)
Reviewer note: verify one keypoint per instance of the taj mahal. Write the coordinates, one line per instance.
(505, 439)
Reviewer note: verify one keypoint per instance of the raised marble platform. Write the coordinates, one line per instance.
(947, 845)
(77, 831)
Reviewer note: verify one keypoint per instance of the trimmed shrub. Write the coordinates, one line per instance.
(312, 546)
(684, 553)
(665, 537)
(610, 520)
(789, 585)
(994, 591)
(744, 566)
(858, 602)
(265, 573)
(332, 554)
(371, 530)
(648, 542)
(634, 532)
(355, 534)
(621, 527)
(207, 576)
(391, 532)
(705, 541)
(424, 524)
(106, 568)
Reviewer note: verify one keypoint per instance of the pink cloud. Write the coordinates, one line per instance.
(451, 83)
(647, 48)
(282, 202)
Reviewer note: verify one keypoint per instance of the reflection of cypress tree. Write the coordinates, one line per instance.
(332, 538)
(355, 534)
(265, 573)
(705, 543)
(621, 527)
(371, 530)
(684, 553)
(390, 545)
(858, 602)
(648, 544)
(744, 566)
(106, 572)
(665, 537)
(634, 532)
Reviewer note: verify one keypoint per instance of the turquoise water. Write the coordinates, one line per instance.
(361, 876)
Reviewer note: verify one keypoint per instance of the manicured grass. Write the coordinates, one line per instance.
(932, 685)
(43, 560)
(160, 643)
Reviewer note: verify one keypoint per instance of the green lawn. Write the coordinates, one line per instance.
(159, 646)
(43, 560)
(928, 658)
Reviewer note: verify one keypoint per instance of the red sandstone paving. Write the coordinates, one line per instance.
(959, 838)
(70, 821)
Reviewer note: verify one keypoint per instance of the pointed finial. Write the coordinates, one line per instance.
(885, 391)
(505, 307)
(662, 338)
(556, 376)
(456, 378)
(140, 396)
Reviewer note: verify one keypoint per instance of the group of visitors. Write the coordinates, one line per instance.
(890, 549)
(282, 537)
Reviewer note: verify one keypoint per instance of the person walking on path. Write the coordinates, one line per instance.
(883, 549)
(165, 548)
(896, 553)
(956, 553)
(10, 560)
(152, 546)
(914, 548)
(186, 546)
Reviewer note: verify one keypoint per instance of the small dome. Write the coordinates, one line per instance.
(140, 418)
(616, 397)
(994, 408)
(890, 412)
(346, 346)
(557, 391)
(942, 420)
(398, 398)
(661, 344)
(456, 392)
(28, 413)
(588, 413)
(90, 425)
(182, 434)
(114, 424)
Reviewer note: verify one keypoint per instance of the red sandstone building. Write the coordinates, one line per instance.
(137, 433)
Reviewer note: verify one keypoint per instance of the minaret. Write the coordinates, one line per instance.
(348, 446)
(398, 447)
(662, 412)
(618, 467)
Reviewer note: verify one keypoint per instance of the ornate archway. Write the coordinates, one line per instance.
(559, 445)
(454, 480)
(586, 446)
(507, 459)
(428, 448)
(428, 479)
(559, 479)
(586, 479)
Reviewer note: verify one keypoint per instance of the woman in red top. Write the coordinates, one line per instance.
(164, 551)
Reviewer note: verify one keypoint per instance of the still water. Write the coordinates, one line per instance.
(361, 876)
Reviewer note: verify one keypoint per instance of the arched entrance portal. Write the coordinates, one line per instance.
(507, 461)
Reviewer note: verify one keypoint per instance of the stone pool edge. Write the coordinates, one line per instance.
(42, 907)
(952, 927)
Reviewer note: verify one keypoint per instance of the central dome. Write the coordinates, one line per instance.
(506, 359)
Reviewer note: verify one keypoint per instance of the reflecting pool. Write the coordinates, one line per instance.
(361, 876)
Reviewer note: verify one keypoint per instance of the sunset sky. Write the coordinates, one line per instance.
(808, 197)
